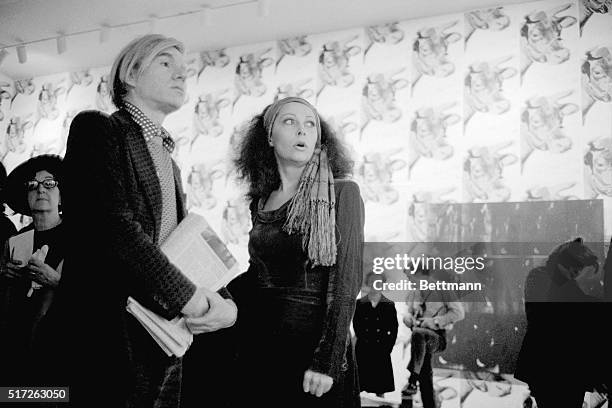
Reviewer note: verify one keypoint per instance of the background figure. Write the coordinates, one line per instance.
(297, 298)
(7, 228)
(30, 271)
(430, 314)
(558, 359)
(375, 324)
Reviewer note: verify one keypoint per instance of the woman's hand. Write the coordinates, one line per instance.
(317, 383)
(39, 271)
(42, 273)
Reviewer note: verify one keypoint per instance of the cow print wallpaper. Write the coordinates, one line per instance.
(508, 104)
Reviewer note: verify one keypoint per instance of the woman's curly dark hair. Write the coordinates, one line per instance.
(256, 163)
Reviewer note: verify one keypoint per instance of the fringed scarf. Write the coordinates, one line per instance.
(312, 211)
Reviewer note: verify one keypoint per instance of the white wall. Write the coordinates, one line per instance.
(413, 143)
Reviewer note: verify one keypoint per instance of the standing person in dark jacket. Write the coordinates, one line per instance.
(7, 228)
(298, 296)
(122, 199)
(558, 358)
(375, 325)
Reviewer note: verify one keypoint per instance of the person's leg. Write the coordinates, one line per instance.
(423, 344)
(170, 387)
(426, 385)
(433, 344)
(418, 349)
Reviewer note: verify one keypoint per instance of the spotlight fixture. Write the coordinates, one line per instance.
(22, 55)
(206, 17)
(104, 33)
(263, 8)
(3, 54)
(61, 44)
(153, 23)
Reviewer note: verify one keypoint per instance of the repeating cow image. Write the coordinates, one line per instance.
(430, 51)
(484, 83)
(593, 11)
(596, 75)
(458, 126)
(206, 114)
(429, 141)
(485, 21)
(334, 59)
(484, 169)
(298, 46)
(542, 124)
(378, 102)
(248, 80)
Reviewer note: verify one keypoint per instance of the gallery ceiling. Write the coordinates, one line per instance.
(38, 23)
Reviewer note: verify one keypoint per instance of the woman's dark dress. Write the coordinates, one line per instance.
(23, 317)
(293, 317)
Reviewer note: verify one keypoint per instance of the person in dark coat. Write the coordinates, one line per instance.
(375, 324)
(122, 198)
(559, 355)
(7, 228)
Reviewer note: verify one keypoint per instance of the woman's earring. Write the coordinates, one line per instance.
(270, 141)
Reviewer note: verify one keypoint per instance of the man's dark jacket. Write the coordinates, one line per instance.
(112, 203)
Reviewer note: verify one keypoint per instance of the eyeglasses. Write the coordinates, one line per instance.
(46, 183)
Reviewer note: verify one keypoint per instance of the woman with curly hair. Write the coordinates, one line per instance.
(298, 296)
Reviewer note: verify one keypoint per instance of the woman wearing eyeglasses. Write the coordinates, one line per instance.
(31, 269)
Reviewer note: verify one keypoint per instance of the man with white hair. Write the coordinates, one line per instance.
(123, 199)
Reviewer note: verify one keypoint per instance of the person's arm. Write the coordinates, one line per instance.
(344, 283)
(357, 321)
(94, 189)
(408, 318)
(241, 287)
(391, 326)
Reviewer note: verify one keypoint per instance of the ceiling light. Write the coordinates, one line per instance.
(61, 44)
(152, 24)
(263, 8)
(3, 54)
(206, 16)
(22, 56)
(104, 33)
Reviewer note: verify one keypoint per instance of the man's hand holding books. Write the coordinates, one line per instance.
(211, 314)
(195, 249)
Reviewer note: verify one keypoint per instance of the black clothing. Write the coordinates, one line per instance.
(376, 331)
